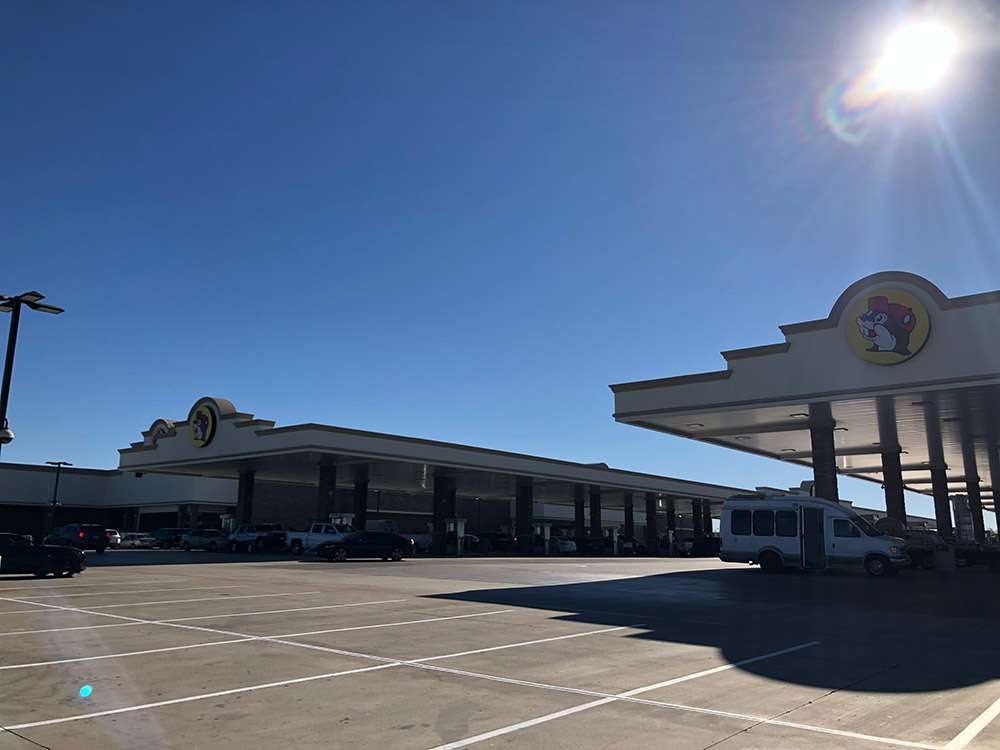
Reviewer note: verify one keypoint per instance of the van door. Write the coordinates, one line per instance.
(846, 545)
(813, 539)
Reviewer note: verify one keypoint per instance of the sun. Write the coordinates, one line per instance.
(917, 56)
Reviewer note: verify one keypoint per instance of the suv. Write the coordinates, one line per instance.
(256, 537)
(80, 535)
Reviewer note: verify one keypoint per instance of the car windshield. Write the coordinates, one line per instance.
(865, 526)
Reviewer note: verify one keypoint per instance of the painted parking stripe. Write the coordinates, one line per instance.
(967, 735)
(521, 643)
(120, 593)
(600, 698)
(95, 609)
(191, 698)
(134, 622)
(248, 638)
(164, 650)
(131, 582)
(280, 611)
(200, 599)
(510, 728)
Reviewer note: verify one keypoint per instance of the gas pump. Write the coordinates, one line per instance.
(456, 530)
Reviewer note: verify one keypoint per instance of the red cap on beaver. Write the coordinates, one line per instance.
(902, 314)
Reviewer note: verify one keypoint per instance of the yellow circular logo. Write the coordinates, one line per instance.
(201, 426)
(887, 326)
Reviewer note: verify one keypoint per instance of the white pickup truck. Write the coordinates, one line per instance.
(300, 541)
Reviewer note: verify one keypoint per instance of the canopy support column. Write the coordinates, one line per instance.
(824, 458)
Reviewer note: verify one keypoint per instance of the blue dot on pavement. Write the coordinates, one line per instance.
(85, 691)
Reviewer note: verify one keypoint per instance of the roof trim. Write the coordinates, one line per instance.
(700, 377)
(756, 351)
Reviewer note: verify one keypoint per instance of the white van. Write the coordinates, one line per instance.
(776, 531)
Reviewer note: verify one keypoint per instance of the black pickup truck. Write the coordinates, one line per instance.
(19, 555)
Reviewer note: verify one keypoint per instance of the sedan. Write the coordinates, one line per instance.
(367, 544)
(18, 555)
(211, 539)
(138, 540)
(114, 538)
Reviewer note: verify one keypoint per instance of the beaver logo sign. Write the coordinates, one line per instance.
(887, 326)
(201, 425)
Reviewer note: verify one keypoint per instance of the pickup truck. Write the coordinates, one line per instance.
(318, 533)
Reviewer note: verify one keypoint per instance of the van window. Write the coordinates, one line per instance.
(763, 523)
(843, 527)
(786, 523)
(739, 522)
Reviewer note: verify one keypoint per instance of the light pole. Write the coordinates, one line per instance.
(55, 490)
(13, 306)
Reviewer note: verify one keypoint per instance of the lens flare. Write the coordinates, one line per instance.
(86, 690)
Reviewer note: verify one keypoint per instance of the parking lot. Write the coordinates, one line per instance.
(192, 651)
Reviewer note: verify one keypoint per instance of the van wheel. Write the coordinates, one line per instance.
(340, 554)
(877, 566)
(770, 562)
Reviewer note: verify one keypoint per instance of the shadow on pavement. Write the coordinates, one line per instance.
(913, 633)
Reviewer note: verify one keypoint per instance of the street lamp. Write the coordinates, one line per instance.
(55, 490)
(13, 306)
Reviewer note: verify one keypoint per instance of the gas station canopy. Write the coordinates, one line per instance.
(899, 384)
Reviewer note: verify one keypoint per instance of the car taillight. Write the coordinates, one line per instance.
(82, 535)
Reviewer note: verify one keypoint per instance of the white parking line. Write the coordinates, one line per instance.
(519, 644)
(279, 611)
(120, 593)
(201, 599)
(601, 698)
(612, 698)
(79, 585)
(190, 698)
(93, 610)
(74, 660)
(186, 619)
(967, 735)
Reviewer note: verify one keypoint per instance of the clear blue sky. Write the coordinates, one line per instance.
(456, 220)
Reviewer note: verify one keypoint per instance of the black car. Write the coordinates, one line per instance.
(18, 555)
(367, 544)
(168, 538)
(80, 535)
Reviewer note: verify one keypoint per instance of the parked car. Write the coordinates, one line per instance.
(211, 539)
(497, 541)
(778, 531)
(137, 540)
(561, 545)
(80, 535)
(300, 541)
(114, 538)
(257, 537)
(592, 545)
(367, 544)
(167, 537)
(631, 545)
(921, 546)
(422, 542)
(18, 555)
